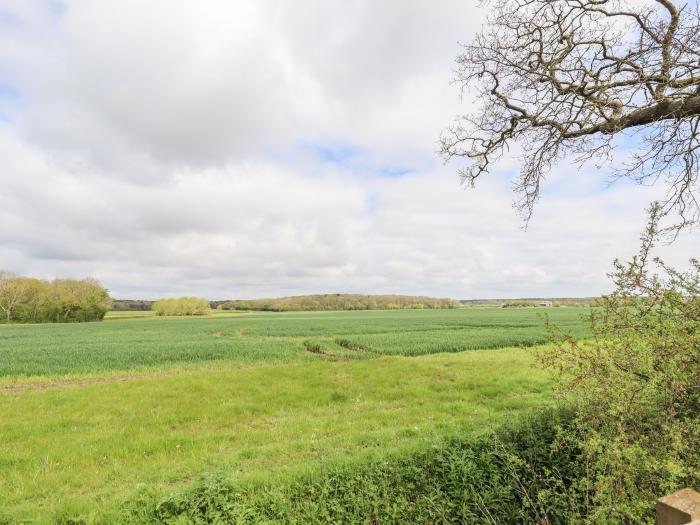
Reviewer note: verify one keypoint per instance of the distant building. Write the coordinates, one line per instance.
(545, 304)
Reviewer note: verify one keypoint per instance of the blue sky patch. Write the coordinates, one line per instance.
(8, 18)
(56, 7)
(10, 98)
(336, 155)
(8, 92)
(355, 159)
(394, 171)
(373, 202)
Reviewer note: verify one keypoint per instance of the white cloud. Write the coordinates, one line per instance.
(169, 148)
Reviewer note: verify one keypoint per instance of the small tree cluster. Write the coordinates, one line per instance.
(182, 306)
(29, 300)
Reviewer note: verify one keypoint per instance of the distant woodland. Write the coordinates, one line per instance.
(530, 302)
(355, 302)
(131, 305)
(340, 302)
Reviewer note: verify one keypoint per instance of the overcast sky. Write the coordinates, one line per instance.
(257, 148)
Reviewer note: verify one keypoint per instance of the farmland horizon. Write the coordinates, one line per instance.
(456, 298)
(348, 262)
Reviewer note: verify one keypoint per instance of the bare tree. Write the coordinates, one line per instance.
(563, 78)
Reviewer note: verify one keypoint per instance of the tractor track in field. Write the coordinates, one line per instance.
(74, 383)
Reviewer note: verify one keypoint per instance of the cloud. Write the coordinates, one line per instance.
(124, 83)
(255, 149)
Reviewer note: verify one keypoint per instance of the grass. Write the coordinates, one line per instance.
(128, 314)
(161, 343)
(91, 446)
(142, 314)
(493, 477)
(92, 413)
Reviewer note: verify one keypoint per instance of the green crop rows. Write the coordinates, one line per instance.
(133, 344)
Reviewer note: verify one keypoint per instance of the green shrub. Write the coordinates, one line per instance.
(182, 306)
(636, 387)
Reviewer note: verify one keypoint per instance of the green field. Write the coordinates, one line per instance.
(161, 343)
(92, 413)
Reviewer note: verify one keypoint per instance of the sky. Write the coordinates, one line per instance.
(243, 149)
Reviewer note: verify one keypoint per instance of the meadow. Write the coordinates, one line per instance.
(92, 414)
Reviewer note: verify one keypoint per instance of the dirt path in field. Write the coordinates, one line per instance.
(72, 383)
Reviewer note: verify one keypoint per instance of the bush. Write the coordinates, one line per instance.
(182, 306)
(636, 387)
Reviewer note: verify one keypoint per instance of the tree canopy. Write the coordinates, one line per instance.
(29, 300)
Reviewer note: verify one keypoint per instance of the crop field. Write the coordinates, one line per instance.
(92, 413)
(147, 343)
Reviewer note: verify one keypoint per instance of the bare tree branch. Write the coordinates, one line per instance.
(563, 78)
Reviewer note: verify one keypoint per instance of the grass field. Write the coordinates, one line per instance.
(91, 413)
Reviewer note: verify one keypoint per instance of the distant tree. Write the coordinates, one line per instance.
(12, 293)
(565, 77)
(65, 297)
(79, 300)
(35, 303)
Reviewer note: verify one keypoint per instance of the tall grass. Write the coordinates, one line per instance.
(514, 475)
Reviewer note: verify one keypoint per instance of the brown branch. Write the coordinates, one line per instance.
(563, 77)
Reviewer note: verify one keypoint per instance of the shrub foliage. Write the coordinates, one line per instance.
(182, 306)
(637, 387)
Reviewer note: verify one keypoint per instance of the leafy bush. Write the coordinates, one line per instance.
(520, 474)
(637, 386)
(182, 306)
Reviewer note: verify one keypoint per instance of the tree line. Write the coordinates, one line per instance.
(340, 302)
(31, 300)
(134, 305)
